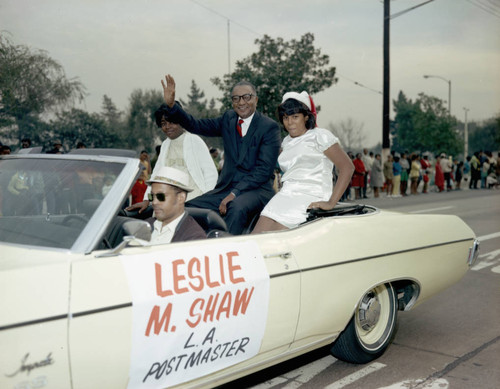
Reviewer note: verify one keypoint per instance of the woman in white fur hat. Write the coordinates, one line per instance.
(307, 160)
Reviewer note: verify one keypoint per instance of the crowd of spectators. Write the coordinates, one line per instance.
(57, 147)
(404, 174)
(400, 175)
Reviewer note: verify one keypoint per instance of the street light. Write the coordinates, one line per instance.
(449, 89)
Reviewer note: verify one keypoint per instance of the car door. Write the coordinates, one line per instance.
(101, 323)
(34, 318)
(101, 330)
(284, 296)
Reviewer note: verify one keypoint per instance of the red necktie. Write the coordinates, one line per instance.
(238, 127)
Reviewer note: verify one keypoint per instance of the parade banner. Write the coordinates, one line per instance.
(196, 310)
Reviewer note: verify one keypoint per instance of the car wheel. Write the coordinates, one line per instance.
(371, 329)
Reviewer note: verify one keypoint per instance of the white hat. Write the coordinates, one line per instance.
(303, 97)
(171, 176)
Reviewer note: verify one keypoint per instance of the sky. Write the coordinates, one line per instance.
(116, 46)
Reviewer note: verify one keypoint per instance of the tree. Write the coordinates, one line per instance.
(111, 115)
(140, 130)
(76, 125)
(350, 134)
(424, 125)
(198, 107)
(114, 121)
(279, 67)
(31, 84)
(484, 135)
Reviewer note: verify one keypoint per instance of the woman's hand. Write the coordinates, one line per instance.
(324, 205)
(169, 90)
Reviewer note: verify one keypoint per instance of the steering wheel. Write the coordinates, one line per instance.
(68, 218)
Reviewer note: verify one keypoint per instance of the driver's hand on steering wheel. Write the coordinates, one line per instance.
(140, 206)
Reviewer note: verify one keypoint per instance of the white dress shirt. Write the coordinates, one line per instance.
(164, 233)
(245, 124)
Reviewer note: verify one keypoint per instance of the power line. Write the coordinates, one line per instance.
(409, 9)
(485, 7)
(358, 83)
(491, 7)
(227, 18)
(494, 3)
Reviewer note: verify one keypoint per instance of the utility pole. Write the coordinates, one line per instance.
(466, 135)
(228, 47)
(386, 141)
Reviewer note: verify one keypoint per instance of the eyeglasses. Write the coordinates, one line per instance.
(159, 196)
(246, 97)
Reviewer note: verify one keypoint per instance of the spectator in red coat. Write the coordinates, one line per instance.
(358, 178)
(439, 175)
(139, 188)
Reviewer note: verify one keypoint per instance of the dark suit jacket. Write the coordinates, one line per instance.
(187, 229)
(249, 162)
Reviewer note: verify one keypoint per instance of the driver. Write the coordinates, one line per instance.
(169, 189)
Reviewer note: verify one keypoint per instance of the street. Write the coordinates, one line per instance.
(451, 341)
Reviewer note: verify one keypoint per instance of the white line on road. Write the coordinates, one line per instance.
(300, 375)
(440, 383)
(356, 376)
(270, 383)
(433, 209)
(306, 373)
(487, 260)
(489, 236)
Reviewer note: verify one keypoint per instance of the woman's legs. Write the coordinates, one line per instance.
(389, 186)
(414, 185)
(266, 224)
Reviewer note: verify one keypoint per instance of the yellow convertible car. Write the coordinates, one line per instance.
(87, 302)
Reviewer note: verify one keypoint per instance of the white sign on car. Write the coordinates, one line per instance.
(195, 310)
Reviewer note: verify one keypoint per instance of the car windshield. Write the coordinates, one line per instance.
(48, 202)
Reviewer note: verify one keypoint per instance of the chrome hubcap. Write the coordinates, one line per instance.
(369, 312)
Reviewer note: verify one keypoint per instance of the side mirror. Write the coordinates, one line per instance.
(137, 233)
(139, 229)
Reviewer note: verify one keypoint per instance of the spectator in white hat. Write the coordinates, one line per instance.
(307, 160)
(169, 189)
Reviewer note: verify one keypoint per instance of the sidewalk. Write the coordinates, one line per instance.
(394, 202)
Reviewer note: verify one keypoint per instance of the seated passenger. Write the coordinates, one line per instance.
(169, 189)
(184, 151)
(307, 160)
(251, 146)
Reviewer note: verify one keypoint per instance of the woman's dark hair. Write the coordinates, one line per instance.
(159, 113)
(291, 107)
(162, 112)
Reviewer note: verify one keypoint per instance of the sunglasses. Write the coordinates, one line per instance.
(159, 196)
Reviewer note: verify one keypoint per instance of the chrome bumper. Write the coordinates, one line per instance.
(473, 253)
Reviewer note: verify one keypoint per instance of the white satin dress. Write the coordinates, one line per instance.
(307, 177)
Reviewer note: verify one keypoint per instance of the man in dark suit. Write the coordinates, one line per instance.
(169, 188)
(251, 148)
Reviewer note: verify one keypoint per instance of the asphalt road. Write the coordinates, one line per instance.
(451, 341)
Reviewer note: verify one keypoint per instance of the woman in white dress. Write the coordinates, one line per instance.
(307, 160)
